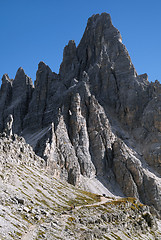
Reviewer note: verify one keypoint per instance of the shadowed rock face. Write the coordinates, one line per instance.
(96, 117)
(15, 96)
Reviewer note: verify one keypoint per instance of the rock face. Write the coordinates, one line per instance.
(14, 99)
(35, 205)
(96, 118)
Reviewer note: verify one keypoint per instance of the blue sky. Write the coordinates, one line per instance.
(38, 30)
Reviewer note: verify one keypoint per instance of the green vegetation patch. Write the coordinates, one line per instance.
(123, 201)
(95, 197)
(71, 219)
(18, 234)
(83, 198)
(107, 237)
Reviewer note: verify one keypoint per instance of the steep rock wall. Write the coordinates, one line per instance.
(97, 116)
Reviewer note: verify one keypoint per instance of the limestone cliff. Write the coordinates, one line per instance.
(97, 118)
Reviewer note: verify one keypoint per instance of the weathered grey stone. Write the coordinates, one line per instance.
(26, 209)
(5, 97)
(15, 100)
(80, 138)
(97, 117)
(37, 217)
(20, 201)
(9, 123)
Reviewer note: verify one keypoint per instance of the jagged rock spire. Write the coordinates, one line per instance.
(9, 124)
(101, 111)
(5, 78)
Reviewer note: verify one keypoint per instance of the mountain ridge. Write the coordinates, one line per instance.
(97, 118)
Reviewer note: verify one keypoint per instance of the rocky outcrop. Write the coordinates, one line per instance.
(15, 96)
(36, 205)
(5, 97)
(9, 125)
(42, 96)
(134, 176)
(96, 118)
(15, 151)
(80, 138)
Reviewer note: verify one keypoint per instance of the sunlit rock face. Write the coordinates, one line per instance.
(97, 118)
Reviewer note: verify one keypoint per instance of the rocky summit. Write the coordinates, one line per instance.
(80, 150)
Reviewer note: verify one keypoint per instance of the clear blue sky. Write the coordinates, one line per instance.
(37, 30)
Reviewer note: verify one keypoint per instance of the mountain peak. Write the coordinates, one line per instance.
(106, 120)
(41, 65)
(100, 25)
(20, 71)
(104, 19)
(20, 76)
(5, 78)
